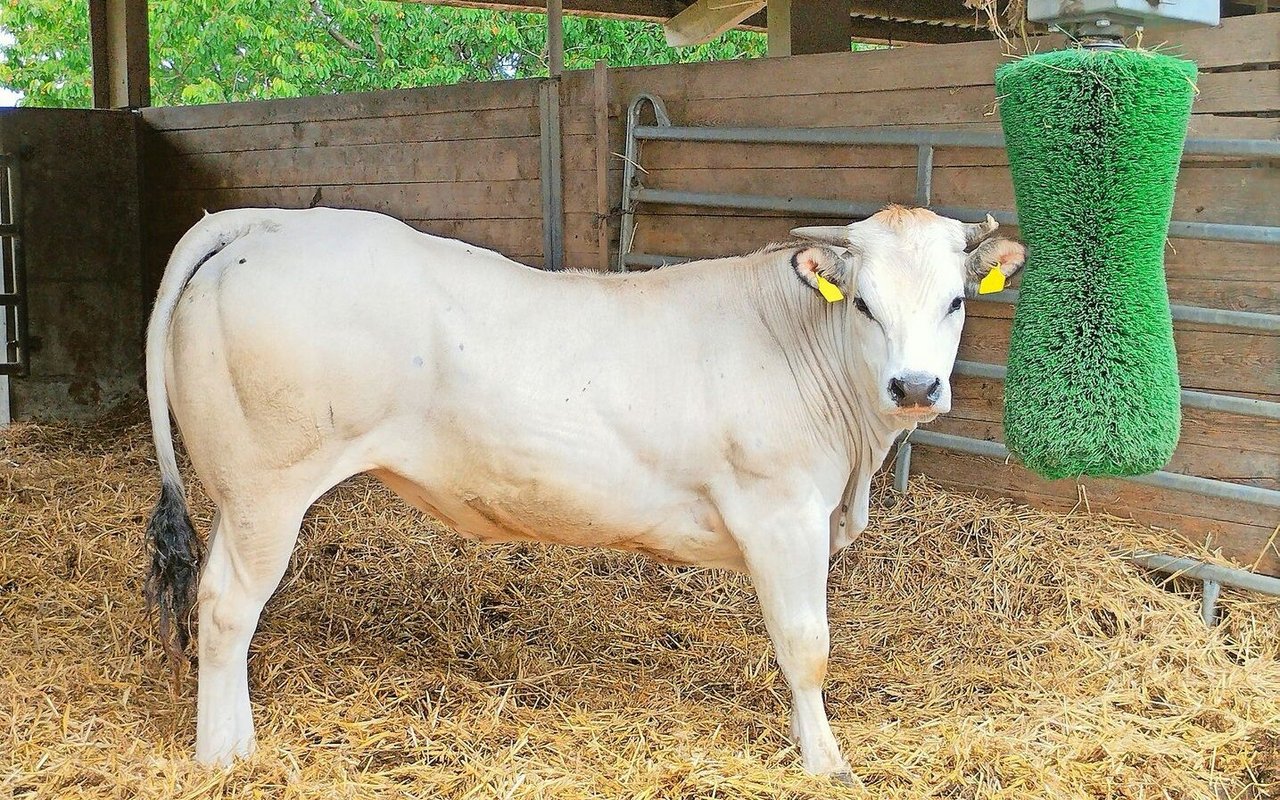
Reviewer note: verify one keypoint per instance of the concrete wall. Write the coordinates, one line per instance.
(82, 240)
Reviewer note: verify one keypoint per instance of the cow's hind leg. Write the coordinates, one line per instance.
(248, 553)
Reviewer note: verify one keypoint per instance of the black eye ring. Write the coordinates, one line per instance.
(956, 305)
(861, 305)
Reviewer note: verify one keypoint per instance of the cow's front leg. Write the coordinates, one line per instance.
(787, 558)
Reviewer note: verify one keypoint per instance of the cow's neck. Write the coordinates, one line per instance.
(840, 403)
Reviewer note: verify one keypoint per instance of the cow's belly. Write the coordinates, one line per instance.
(673, 527)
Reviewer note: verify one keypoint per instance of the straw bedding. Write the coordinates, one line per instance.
(980, 650)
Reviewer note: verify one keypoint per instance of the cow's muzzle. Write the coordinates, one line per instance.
(916, 390)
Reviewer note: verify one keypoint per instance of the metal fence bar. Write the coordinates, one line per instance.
(755, 202)
(1212, 231)
(904, 136)
(1242, 148)
(1244, 320)
(1164, 480)
(1193, 568)
(1209, 602)
(924, 175)
(902, 465)
(1209, 401)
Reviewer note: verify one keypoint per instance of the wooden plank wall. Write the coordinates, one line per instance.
(464, 161)
(951, 86)
(457, 161)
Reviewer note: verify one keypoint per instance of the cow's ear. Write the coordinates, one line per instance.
(823, 270)
(992, 263)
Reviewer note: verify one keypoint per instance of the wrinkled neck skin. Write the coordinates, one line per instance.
(840, 394)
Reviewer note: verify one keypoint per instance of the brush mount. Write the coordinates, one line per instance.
(1103, 24)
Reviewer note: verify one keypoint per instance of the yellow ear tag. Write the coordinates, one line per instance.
(829, 290)
(994, 282)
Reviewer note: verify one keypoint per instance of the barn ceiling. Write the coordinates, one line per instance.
(924, 21)
(878, 21)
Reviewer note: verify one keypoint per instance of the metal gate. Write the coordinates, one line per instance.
(925, 140)
(15, 355)
(13, 283)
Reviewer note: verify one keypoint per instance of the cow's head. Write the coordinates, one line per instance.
(904, 274)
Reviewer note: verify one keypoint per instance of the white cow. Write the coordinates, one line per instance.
(726, 413)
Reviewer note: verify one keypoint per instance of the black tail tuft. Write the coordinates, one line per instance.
(175, 569)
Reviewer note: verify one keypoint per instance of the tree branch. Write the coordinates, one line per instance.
(375, 23)
(333, 28)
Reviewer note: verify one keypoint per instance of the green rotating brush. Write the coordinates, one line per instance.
(1094, 138)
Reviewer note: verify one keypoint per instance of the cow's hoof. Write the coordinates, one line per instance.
(847, 778)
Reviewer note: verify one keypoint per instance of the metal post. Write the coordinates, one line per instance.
(902, 466)
(1209, 602)
(924, 174)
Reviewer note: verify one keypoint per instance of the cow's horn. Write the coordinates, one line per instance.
(975, 232)
(838, 235)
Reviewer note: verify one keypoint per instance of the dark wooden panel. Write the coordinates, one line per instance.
(364, 105)
(485, 159)
(907, 107)
(1236, 42)
(1216, 361)
(452, 200)
(1201, 520)
(1211, 444)
(441, 126)
(1253, 92)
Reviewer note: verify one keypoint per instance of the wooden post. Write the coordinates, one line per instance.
(555, 37)
(121, 65)
(552, 175)
(797, 27)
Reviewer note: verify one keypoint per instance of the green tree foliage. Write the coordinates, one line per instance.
(210, 51)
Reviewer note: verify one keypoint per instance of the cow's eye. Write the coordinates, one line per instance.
(861, 305)
(956, 305)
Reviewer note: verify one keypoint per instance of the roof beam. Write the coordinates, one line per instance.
(864, 29)
(799, 27)
(643, 10)
(883, 31)
(707, 19)
(953, 11)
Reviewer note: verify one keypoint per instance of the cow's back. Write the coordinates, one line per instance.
(510, 402)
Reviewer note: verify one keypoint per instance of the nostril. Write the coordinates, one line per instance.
(897, 389)
(935, 391)
(915, 390)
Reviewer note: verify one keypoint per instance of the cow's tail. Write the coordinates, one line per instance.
(174, 549)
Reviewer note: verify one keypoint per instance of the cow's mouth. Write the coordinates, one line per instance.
(917, 414)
